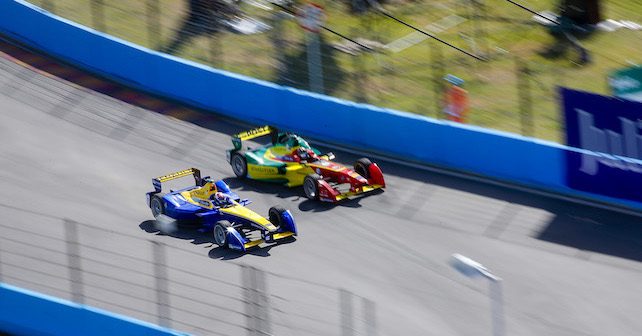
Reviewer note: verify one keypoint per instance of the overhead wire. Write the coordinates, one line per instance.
(375, 4)
(289, 11)
(534, 12)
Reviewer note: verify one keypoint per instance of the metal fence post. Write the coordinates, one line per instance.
(346, 312)
(48, 5)
(98, 15)
(369, 316)
(162, 288)
(497, 307)
(279, 45)
(1, 280)
(315, 59)
(74, 262)
(214, 43)
(436, 56)
(257, 304)
(524, 97)
(370, 25)
(358, 71)
(479, 34)
(153, 24)
(360, 94)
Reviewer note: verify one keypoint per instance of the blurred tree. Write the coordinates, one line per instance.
(582, 12)
(362, 6)
(577, 19)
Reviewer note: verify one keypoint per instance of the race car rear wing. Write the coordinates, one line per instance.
(238, 138)
(157, 182)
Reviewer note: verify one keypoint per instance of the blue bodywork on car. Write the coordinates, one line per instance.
(210, 202)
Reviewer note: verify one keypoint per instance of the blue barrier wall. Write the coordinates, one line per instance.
(23, 312)
(470, 149)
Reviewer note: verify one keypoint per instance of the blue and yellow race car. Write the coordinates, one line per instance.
(213, 207)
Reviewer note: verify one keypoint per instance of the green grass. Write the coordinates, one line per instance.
(408, 80)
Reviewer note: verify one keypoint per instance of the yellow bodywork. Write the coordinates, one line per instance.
(201, 197)
(295, 172)
(363, 189)
(262, 172)
(240, 211)
(275, 152)
(276, 236)
(178, 174)
(254, 133)
(204, 203)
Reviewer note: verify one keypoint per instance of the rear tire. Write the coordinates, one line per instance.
(275, 215)
(157, 205)
(220, 232)
(239, 165)
(362, 166)
(311, 186)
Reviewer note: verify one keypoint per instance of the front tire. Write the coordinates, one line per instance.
(220, 233)
(362, 166)
(239, 165)
(157, 205)
(275, 215)
(311, 186)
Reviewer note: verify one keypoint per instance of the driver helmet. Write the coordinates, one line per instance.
(291, 141)
(304, 144)
(220, 197)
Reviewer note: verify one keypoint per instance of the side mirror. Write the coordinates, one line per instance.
(244, 202)
(329, 155)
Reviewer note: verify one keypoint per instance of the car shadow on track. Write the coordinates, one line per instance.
(244, 185)
(574, 225)
(317, 206)
(295, 194)
(260, 251)
(592, 230)
(203, 238)
(186, 233)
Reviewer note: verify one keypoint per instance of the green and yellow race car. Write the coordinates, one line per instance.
(289, 159)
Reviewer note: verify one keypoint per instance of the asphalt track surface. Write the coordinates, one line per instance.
(75, 166)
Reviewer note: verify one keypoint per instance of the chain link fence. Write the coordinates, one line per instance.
(158, 283)
(515, 90)
(145, 276)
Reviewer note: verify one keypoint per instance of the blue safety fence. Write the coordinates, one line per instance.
(473, 150)
(23, 312)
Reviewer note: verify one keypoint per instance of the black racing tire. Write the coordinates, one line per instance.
(220, 233)
(275, 215)
(157, 205)
(311, 186)
(361, 167)
(239, 165)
